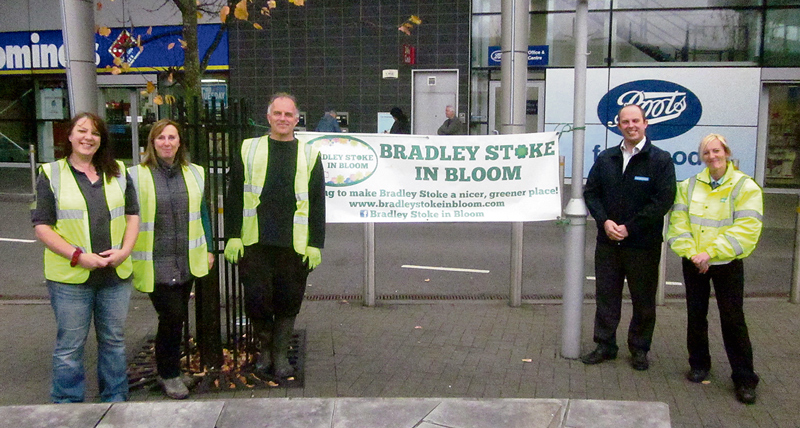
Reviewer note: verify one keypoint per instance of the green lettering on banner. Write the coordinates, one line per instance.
(494, 173)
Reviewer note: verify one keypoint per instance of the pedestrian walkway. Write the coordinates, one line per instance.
(478, 350)
(346, 413)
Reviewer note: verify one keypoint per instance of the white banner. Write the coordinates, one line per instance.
(384, 178)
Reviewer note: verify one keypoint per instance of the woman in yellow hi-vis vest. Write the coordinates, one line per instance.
(715, 223)
(172, 248)
(87, 216)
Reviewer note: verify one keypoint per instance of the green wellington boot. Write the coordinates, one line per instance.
(281, 334)
(263, 333)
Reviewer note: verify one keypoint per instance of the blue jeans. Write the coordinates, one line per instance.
(74, 305)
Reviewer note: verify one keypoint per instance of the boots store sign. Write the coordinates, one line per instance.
(671, 109)
(682, 105)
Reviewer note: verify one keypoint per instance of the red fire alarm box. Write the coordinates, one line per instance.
(409, 55)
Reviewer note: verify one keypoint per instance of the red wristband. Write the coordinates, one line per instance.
(75, 256)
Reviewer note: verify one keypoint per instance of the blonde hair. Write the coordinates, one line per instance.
(711, 137)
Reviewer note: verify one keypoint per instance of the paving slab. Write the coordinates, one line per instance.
(277, 413)
(382, 413)
(617, 414)
(53, 415)
(521, 412)
(173, 414)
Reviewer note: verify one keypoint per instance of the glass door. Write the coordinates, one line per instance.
(534, 99)
(129, 116)
(783, 137)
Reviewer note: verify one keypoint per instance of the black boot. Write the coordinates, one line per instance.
(262, 330)
(281, 334)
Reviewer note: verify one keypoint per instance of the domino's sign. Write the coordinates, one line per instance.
(670, 109)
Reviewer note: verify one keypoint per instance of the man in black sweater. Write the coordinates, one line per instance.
(275, 225)
(629, 190)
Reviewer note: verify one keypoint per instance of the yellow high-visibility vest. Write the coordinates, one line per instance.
(725, 222)
(72, 222)
(143, 270)
(255, 153)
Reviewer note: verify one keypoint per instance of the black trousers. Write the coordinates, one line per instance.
(612, 265)
(172, 306)
(728, 280)
(274, 280)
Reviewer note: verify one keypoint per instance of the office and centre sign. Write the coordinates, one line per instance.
(24, 52)
(382, 178)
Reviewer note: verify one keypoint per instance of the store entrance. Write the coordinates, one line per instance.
(783, 136)
(534, 119)
(129, 116)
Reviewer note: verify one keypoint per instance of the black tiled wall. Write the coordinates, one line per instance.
(330, 54)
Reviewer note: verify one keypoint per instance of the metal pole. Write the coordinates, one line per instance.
(662, 266)
(514, 22)
(562, 162)
(369, 264)
(794, 293)
(77, 20)
(576, 208)
(32, 159)
(134, 112)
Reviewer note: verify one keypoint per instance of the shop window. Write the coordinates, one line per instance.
(783, 137)
(782, 38)
(680, 36)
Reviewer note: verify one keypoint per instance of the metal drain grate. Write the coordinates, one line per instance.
(142, 371)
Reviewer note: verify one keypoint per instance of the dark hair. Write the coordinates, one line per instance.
(398, 114)
(103, 159)
(641, 110)
(151, 157)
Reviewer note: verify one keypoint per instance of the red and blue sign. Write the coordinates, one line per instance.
(25, 51)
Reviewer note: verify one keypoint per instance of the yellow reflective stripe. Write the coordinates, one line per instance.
(737, 247)
(680, 207)
(195, 215)
(249, 212)
(747, 213)
(117, 212)
(142, 255)
(301, 196)
(198, 177)
(147, 226)
(196, 243)
(701, 221)
(69, 214)
(300, 219)
(55, 180)
(682, 235)
(252, 188)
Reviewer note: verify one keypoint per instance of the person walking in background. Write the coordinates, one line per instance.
(452, 125)
(715, 223)
(401, 124)
(328, 123)
(275, 225)
(87, 216)
(629, 191)
(172, 248)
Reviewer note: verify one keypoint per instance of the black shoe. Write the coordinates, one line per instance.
(745, 394)
(598, 356)
(697, 375)
(639, 361)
